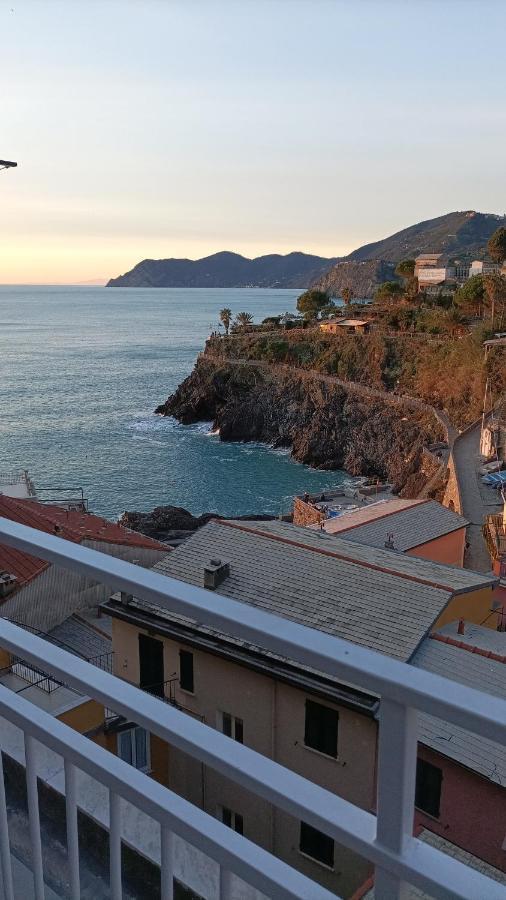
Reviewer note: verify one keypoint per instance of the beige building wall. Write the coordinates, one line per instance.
(475, 606)
(273, 715)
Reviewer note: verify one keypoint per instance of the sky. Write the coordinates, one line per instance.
(160, 128)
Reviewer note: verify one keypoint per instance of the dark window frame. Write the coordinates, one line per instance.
(318, 846)
(321, 728)
(232, 819)
(429, 788)
(186, 671)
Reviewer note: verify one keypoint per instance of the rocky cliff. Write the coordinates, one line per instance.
(326, 425)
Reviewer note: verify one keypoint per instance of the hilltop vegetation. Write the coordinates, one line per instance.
(447, 373)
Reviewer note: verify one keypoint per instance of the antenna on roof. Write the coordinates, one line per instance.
(389, 543)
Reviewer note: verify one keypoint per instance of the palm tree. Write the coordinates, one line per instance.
(347, 295)
(243, 319)
(226, 318)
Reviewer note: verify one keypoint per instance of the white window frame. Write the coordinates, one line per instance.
(131, 731)
(234, 720)
(220, 810)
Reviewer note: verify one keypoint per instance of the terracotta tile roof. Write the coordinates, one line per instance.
(69, 524)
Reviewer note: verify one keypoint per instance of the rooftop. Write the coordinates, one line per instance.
(377, 598)
(473, 670)
(440, 843)
(476, 636)
(73, 525)
(412, 523)
(338, 321)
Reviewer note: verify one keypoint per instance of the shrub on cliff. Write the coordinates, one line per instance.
(388, 292)
(469, 298)
(311, 302)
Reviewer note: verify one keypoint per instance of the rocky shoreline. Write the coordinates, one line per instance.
(173, 524)
(325, 425)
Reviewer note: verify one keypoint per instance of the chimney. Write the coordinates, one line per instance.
(461, 629)
(7, 584)
(125, 598)
(389, 543)
(215, 571)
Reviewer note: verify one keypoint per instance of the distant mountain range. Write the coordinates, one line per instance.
(457, 235)
(227, 270)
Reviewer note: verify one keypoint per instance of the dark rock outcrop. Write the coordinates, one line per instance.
(172, 524)
(325, 424)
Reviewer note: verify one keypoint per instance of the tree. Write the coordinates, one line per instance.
(243, 319)
(388, 292)
(347, 294)
(471, 295)
(495, 293)
(405, 269)
(497, 245)
(226, 318)
(311, 302)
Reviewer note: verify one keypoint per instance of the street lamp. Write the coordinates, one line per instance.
(6, 164)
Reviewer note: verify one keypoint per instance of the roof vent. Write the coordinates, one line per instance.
(389, 543)
(126, 598)
(7, 584)
(215, 571)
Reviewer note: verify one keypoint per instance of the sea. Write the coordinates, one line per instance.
(81, 372)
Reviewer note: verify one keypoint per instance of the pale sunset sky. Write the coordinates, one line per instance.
(159, 128)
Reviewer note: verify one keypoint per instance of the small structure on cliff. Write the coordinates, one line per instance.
(348, 326)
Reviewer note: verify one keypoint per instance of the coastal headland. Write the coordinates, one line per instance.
(326, 422)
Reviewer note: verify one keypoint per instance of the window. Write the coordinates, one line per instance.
(186, 671)
(428, 788)
(321, 728)
(316, 845)
(151, 673)
(231, 819)
(133, 747)
(232, 727)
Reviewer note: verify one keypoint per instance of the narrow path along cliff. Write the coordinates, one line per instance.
(327, 422)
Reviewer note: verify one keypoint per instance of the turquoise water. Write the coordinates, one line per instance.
(81, 371)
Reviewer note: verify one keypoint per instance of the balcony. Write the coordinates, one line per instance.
(143, 815)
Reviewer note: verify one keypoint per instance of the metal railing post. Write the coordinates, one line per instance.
(396, 790)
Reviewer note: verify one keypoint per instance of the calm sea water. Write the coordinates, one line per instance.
(81, 371)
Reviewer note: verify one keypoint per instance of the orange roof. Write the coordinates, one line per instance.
(72, 525)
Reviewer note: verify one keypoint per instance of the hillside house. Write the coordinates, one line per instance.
(346, 326)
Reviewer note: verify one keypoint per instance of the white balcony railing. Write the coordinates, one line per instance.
(385, 839)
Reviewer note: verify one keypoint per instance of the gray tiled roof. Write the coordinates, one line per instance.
(477, 753)
(80, 638)
(477, 636)
(453, 577)
(410, 527)
(440, 843)
(378, 608)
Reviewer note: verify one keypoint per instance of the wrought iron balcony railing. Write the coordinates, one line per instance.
(385, 839)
